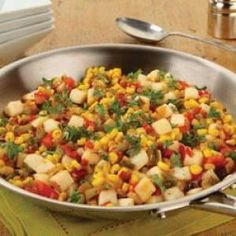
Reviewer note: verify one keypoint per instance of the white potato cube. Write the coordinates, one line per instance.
(155, 171)
(174, 146)
(182, 173)
(143, 81)
(162, 126)
(145, 189)
(14, 108)
(158, 86)
(76, 121)
(38, 121)
(173, 193)
(205, 107)
(41, 177)
(78, 96)
(91, 157)
(154, 75)
(29, 96)
(142, 77)
(63, 179)
(45, 166)
(155, 199)
(107, 196)
(191, 92)
(139, 160)
(126, 202)
(195, 159)
(66, 161)
(177, 120)
(169, 95)
(90, 96)
(33, 161)
(164, 111)
(50, 125)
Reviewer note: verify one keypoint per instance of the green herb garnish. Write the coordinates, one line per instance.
(213, 113)
(98, 93)
(73, 134)
(158, 182)
(191, 139)
(167, 143)
(134, 143)
(12, 150)
(76, 197)
(100, 110)
(232, 155)
(201, 88)
(175, 160)
(47, 82)
(58, 108)
(115, 108)
(3, 121)
(154, 96)
(134, 75)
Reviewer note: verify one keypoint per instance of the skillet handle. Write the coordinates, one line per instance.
(217, 202)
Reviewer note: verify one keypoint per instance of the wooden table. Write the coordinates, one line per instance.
(93, 21)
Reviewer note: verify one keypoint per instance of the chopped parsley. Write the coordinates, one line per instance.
(175, 160)
(115, 108)
(171, 81)
(12, 149)
(177, 102)
(3, 121)
(72, 134)
(63, 98)
(158, 182)
(134, 75)
(58, 108)
(104, 78)
(167, 143)
(213, 113)
(154, 96)
(100, 109)
(191, 139)
(98, 93)
(76, 197)
(232, 155)
(200, 88)
(118, 124)
(47, 82)
(134, 143)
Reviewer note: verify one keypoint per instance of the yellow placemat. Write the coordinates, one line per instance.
(23, 218)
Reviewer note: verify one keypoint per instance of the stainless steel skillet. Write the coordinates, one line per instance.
(24, 75)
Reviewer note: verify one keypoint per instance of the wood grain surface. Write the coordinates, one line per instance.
(93, 21)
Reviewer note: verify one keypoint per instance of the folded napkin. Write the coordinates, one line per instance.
(21, 217)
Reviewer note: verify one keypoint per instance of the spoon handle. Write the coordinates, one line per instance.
(208, 41)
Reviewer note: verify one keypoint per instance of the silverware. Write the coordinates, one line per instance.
(24, 75)
(152, 33)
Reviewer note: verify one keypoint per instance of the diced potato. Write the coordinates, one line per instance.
(66, 160)
(38, 121)
(155, 199)
(182, 173)
(191, 92)
(76, 121)
(91, 157)
(139, 160)
(78, 96)
(90, 96)
(126, 202)
(50, 125)
(170, 95)
(174, 146)
(29, 96)
(195, 159)
(177, 120)
(107, 196)
(194, 191)
(162, 126)
(205, 107)
(14, 108)
(33, 161)
(90, 193)
(144, 82)
(145, 189)
(45, 166)
(63, 179)
(153, 75)
(209, 178)
(158, 86)
(41, 177)
(164, 111)
(142, 77)
(173, 193)
(155, 171)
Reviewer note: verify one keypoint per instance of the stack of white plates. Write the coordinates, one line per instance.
(22, 24)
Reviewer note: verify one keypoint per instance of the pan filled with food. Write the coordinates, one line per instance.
(118, 131)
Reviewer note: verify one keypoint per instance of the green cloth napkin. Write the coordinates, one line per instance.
(21, 217)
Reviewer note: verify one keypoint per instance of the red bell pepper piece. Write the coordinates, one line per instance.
(148, 128)
(89, 144)
(70, 83)
(47, 140)
(122, 99)
(40, 97)
(125, 176)
(68, 150)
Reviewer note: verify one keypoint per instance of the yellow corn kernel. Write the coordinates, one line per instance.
(196, 169)
(229, 128)
(207, 152)
(125, 187)
(28, 180)
(42, 148)
(113, 178)
(217, 105)
(163, 166)
(176, 134)
(83, 86)
(104, 140)
(113, 157)
(53, 158)
(195, 122)
(203, 100)
(130, 90)
(214, 132)
(209, 121)
(150, 143)
(81, 141)
(202, 131)
(209, 166)
(164, 138)
(92, 107)
(62, 196)
(191, 103)
(6, 170)
(113, 133)
(87, 115)
(2, 163)
(26, 136)
(97, 182)
(144, 141)
(74, 164)
(19, 140)
(97, 145)
(56, 134)
(115, 168)
(106, 168)
(116, 87)
(134, 179)
(118, 137)
(227, 118)
(140, 131)
(9, 136)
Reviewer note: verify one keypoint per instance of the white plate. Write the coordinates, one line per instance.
(10, 35)
(15, 49)
(25, 21)
(12, 9)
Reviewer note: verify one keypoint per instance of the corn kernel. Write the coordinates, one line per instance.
(118, 137)
(227, 118)
(42, 148)
(26, 136)
(83, 86)
(56, 134)
(209, 166)
(104, 141)
(28, 180)
(202, 131)
(113, 157)
(81, 141)
(162, 165)
(134, 179)
(2, 163)
(9, 136)
(62, 196)
(92, 107)
(18, 183)
(195, 122)
(106, 167)
(217, 105)
(130, 90)
(97, 182)
(191, 103)
(113, 178)
(196, 169)
(115, 168)
(74, 164)
(140, 131)
(125, 187)
(203, 100)
(164, 138)
(19, 140)
(207, 152)
(214, 132)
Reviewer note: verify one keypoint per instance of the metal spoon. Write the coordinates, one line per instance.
(151, 33)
